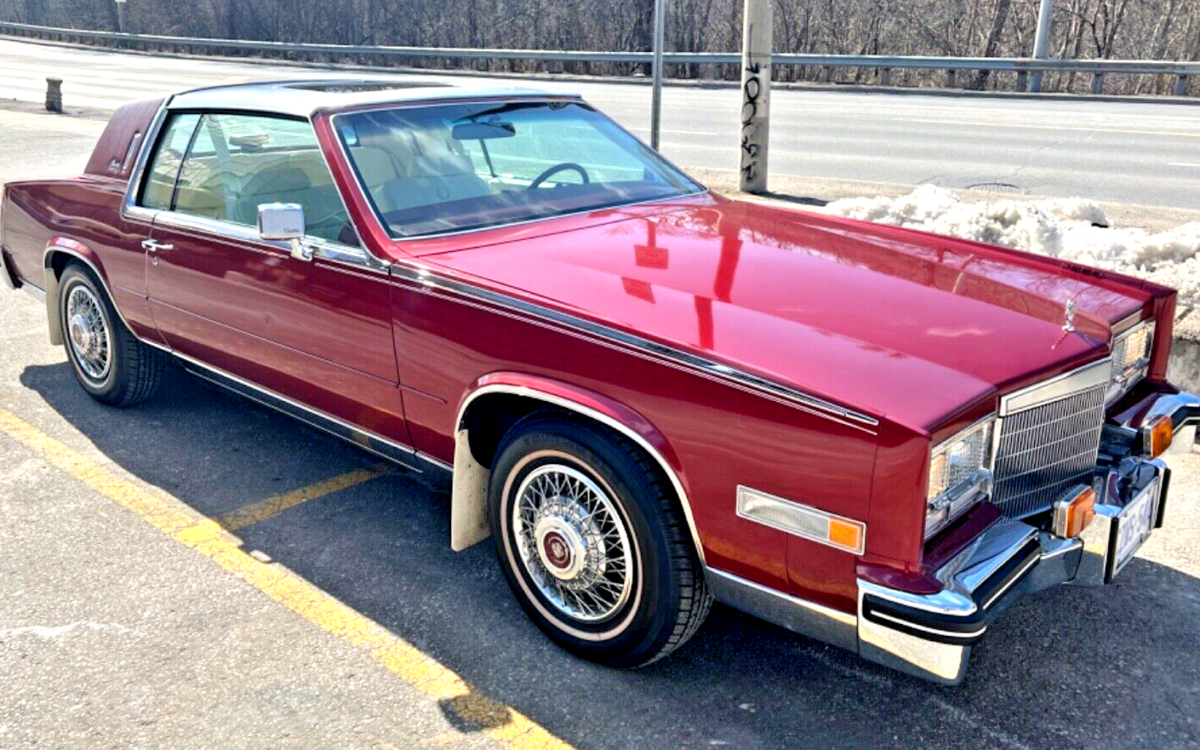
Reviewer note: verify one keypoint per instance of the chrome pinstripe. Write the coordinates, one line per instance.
(445, 287)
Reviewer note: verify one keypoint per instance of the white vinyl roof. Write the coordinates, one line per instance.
(303, 98)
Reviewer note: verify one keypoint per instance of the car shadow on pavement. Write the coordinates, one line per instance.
(1112, 667)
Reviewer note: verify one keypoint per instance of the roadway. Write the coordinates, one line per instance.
(1117, 151)
(331, 612)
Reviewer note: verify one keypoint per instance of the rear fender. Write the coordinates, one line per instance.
(56, 252)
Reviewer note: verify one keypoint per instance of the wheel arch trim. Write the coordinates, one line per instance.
(81, 252)
(468, 515)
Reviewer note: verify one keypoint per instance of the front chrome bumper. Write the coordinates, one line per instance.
(931, 635)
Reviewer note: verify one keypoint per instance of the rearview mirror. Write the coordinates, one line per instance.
(284, 222)
(482, 131)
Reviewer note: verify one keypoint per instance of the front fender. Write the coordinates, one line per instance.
(468, 515)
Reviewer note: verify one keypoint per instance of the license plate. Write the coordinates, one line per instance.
(1134, 525)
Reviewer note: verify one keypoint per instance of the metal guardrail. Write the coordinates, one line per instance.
(1097, 68)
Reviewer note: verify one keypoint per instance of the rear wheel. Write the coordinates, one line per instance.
(590, 539)
(111, 365)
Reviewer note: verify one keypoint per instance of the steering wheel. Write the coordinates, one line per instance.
(559, 168)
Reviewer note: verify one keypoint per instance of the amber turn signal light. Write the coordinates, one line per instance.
(1073, 512)
(1157, 436)
(845, 534)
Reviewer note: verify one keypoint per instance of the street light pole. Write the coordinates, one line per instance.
(660, 25)
(754, 123)
(1041, 43)
(120, 16)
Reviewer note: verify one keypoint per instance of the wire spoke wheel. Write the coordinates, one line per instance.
(87, 331)
(572, 542)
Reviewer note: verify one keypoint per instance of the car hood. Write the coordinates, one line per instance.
(907, 326)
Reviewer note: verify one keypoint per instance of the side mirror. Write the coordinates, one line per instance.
(284, 222)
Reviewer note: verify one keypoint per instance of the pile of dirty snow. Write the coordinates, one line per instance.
(1073, 229)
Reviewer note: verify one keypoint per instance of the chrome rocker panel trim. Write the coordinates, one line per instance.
(364, 439)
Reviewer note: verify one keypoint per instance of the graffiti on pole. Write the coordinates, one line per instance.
(751, 90)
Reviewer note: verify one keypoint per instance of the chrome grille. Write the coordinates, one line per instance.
(1045, 449)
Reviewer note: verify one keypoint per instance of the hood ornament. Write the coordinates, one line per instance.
(1069, 326)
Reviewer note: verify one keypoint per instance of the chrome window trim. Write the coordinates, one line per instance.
(362, 189)
(432, 283)
(335, 252)
(129, 207)
(604, 419)
(744, 493)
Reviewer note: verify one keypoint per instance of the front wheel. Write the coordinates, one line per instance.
(592, 543)
(111, 365)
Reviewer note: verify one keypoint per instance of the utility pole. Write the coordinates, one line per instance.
(660, 26)
(1041, 43)
(754, 123)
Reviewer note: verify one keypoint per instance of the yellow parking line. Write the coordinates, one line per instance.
(257, 512)
(502, 723)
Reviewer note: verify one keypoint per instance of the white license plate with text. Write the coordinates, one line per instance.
(1136, 522)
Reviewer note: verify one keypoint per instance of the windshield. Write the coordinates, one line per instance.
(452, 168)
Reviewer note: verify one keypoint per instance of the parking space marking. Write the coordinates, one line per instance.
(257, 512)
(500, 722)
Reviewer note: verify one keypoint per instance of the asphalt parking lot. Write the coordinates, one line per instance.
(201, 572)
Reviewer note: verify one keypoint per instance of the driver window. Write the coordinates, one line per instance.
(237, 162)
(164, 169)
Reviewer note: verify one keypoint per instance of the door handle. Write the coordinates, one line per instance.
(153, 246)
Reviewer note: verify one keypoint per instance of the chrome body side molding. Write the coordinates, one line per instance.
(468, 513)
(445, 287)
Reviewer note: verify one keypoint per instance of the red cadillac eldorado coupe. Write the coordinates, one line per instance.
(649, 396)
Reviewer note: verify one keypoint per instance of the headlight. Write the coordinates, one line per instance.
(959, 475)
(1131, 359)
